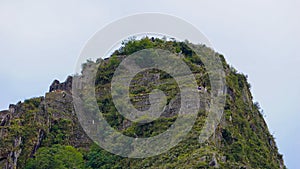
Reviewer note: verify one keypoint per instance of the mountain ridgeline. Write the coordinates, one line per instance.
(44, 132)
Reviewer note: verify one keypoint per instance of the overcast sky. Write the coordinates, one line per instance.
(41, 40)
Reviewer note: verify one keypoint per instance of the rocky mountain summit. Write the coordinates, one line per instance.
(31, 129)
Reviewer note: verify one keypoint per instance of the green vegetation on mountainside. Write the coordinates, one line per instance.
(50, 135)
(241, 140)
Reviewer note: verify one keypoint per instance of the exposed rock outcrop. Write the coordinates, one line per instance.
(64, 86)
(29, 125)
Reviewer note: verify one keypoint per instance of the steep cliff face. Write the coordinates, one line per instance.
(241, 140)
(37, 122)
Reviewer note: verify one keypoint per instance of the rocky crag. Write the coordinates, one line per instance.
(37, 122)
(242, 139)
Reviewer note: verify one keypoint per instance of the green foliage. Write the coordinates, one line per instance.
(56, 157)
(99, 158)
(59, 132)
(33, 102)
(242, 138)
(132, 46)
(106, 70)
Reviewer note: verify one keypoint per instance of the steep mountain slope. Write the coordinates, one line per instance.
(241, 140)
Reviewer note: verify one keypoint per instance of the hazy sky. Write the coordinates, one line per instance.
(41, 40)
